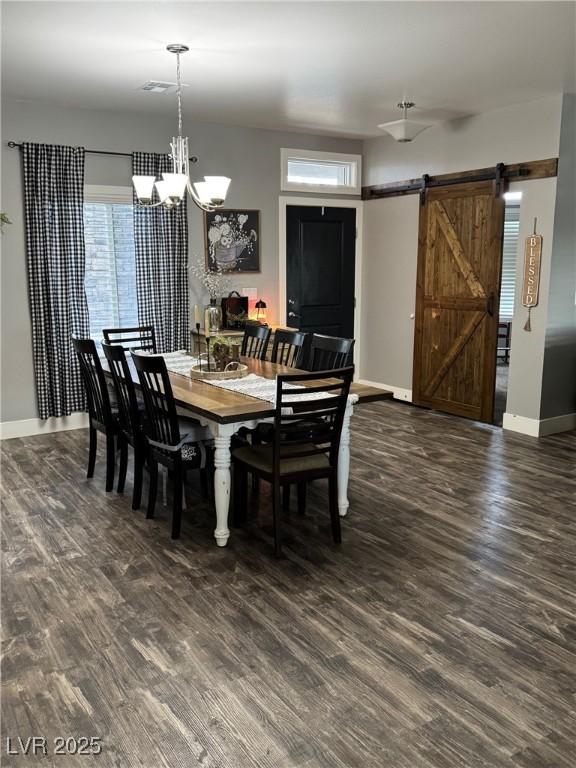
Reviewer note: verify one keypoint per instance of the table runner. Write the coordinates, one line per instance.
(265, 389)
(252, 385)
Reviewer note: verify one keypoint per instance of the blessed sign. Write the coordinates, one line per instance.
(532, 257)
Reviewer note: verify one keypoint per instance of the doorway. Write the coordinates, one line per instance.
(507, 292)
(457, 300)
(352, 288)
(320, 269)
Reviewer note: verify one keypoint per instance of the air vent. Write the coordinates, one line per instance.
(155, 86)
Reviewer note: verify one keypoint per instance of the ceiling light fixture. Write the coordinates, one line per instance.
(208, 195)
(404, 130)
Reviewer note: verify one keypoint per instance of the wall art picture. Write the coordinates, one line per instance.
(233, 240)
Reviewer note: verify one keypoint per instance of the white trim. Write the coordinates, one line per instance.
(283, 202)
(399, 392)
(26, 427)
(100, 193)
(539, 427)
(355, 162)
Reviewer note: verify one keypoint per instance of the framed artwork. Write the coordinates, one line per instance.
(232, 240)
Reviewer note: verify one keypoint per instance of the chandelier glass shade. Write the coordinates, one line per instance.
(404, 130)
(170, 191)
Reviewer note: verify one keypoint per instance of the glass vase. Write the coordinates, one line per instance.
(212, 317)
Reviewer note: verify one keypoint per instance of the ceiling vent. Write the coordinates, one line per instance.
(156, 86)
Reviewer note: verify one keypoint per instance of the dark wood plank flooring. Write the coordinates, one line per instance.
(441, 634)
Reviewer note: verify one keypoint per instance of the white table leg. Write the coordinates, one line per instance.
(223, 433)
(344, 463)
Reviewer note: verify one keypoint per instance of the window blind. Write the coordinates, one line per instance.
(110, 281)
(509, 254)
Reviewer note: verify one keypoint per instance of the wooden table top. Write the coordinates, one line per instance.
(225, 407)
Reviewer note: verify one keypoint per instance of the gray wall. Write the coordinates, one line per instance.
(518, 133)
(559, 381)
(250, 157)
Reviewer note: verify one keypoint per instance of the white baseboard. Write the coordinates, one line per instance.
(399, 392)
(26, 427)
(539, 427)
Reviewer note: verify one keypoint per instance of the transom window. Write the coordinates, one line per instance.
(325, 172)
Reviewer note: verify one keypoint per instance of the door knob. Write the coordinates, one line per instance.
(293, 314)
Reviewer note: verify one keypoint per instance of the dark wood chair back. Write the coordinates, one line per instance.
(161, 417)
(288, 348)
(140, 337)
(255, 341)
(314, 425)
(128, 413)
(328, 353)
(94, 382)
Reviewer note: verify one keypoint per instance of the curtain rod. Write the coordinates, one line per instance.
(15, 144)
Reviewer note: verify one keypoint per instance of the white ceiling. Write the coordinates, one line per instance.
(327, 67)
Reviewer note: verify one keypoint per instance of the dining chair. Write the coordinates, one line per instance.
(138, 337)
(101, 417)
(329, 352)
(287, 348)
(306, 440)
(176, 443)
(130, 420)
(255, 341)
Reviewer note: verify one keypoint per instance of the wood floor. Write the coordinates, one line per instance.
(441, 634)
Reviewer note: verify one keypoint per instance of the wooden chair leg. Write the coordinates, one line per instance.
(123, 465)
(177, 501)
(138, 476)
(110, 461)
(301, 498)
(92, 451)
(277, 519)
(153, 486)
(334, 513)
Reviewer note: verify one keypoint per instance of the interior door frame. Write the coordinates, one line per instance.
(328, 202)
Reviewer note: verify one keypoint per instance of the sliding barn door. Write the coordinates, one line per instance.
(457, 296)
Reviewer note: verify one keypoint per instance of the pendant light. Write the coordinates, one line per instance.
(208, 195)
(404, 130)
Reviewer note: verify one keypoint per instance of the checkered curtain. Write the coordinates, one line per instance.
(53, 207)
(161, 240)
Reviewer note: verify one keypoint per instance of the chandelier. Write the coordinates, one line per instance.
(208, 195)
(404, 130)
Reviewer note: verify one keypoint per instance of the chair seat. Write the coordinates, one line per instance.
(260, 457)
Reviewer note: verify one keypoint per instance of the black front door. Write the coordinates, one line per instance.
(320, 269)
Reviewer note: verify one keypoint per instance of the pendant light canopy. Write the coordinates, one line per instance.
(404, 130)
(171, 189)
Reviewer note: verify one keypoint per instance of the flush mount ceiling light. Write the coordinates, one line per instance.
(208, 195)
(404, 130)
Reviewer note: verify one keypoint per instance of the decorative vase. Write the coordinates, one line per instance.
(212, 317)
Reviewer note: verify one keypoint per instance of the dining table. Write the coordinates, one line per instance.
(226, 412)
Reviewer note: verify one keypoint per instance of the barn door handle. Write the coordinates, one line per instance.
(490, 305)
